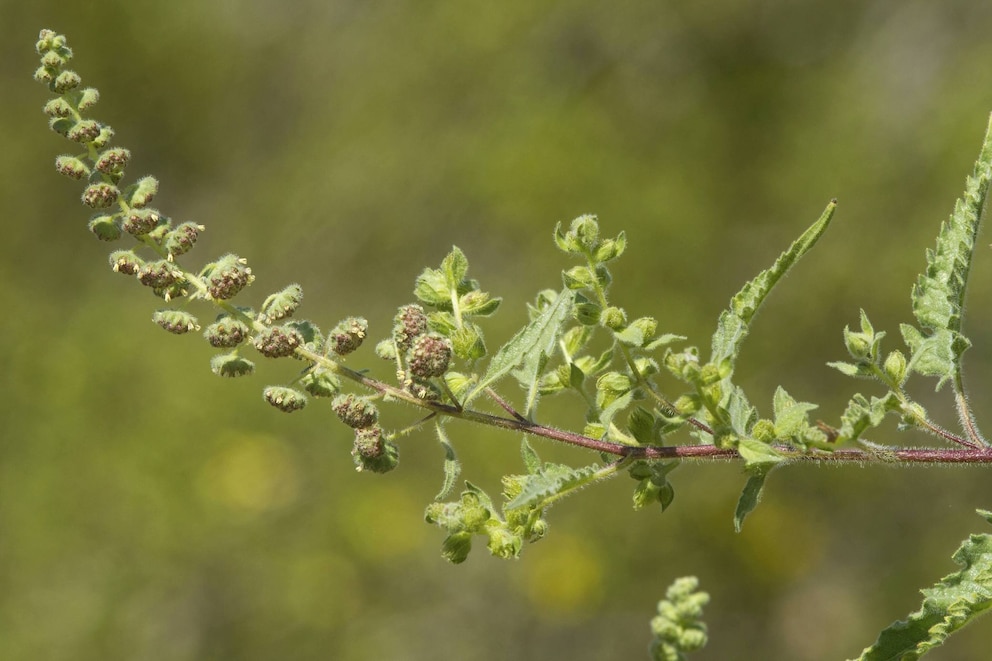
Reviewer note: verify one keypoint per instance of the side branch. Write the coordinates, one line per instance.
(969, 455)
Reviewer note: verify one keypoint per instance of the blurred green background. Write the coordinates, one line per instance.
(149, 510)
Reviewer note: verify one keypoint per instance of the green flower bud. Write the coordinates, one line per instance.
(456, 547)
(181, 240)
(159, 274)
(424, 390)
(709, 374)
(348, 335)
(371, 452)
(175, 321)
(231, 365)
(579, 277)
(858, 344)
(141, 194)
(429, 356)
(106, 228)
(88, 98)
(113, 161)
(141, 221)
(58, 107)
(687, 405)
(102, 140)
(228, 276)
(610, 249)
(84, 131)
(503, 543)
(613, 318)
(538, 530)
(467, 342)
(226, 332)
(386, 349)
(410, 323)
(278, 342)
(587, 314)
(45, 75)
(895, 367)
(65, 81)
(355, 411)
(282, 304)
(100, 195)
(285, 399)
(71, 167)
(52, 60)
(764, 431)
(126, 262)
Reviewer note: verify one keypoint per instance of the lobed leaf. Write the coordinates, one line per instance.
(948, 606)
(733, 325)
(551, 480)
(939, 292)
(530, 346)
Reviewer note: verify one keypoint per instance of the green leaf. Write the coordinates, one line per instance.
(454, 266)
(452, 467)
(948, 606)
(850, 369)
(750, 497)
(791, 419)
(530, 346)
(939, 292)
(758, 456)
(734, 322)
(478, 304)
(531, 460)
(552, 480)
(862, 414)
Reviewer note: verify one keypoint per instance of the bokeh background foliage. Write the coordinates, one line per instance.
(150, 511)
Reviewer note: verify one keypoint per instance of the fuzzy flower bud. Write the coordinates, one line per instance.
(159, 274)
(226, 332)
(285, 399)
(126, 262)
(354, 411)
(371, 452)
(141, 194)
(348, 335)
(84, 131)
(58, 107)
(228, 276)
(181, 240)
(282, 304)
(278, 342)
(65, 82)
(429, 356)
(410, 322)
(71, 167)
(106, 135)
(141, 221)
(100, 195)
(113, 161)
(175, 321)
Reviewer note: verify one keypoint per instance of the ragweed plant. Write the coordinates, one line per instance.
(630, 421)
